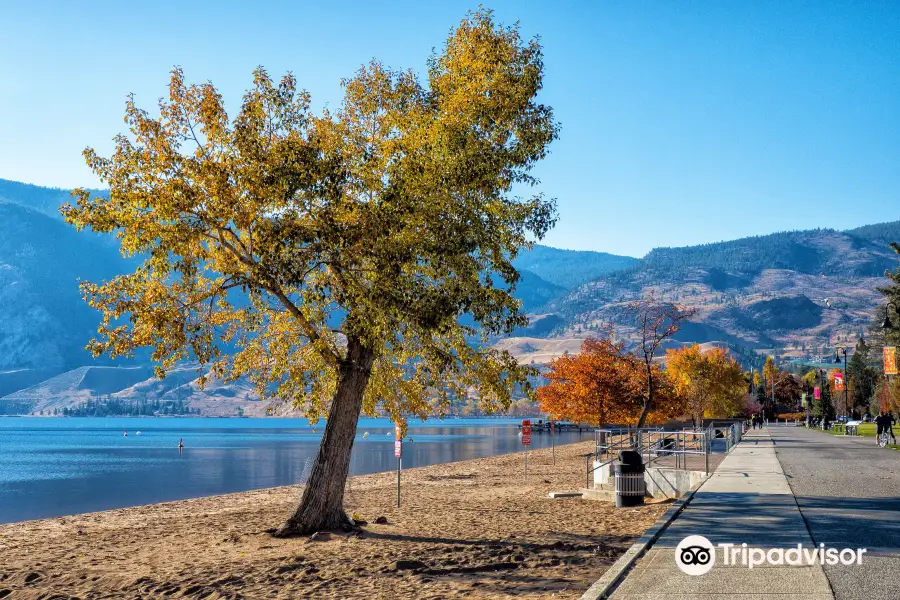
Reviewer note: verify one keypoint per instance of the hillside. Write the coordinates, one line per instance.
(136, 386)
(797, 290)
(535, 291)
(43, 320)
(880, 233)
(570, 268)
(41, 199)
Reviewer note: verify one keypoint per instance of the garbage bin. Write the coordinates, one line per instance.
(629, 478)
(666, 446)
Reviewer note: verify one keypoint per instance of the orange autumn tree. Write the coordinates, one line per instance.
(711, 384)
(602, 384)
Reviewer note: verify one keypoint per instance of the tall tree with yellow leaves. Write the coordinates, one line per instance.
(711, 383)
(770, 372)
(329, 257)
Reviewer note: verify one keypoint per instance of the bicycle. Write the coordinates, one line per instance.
(883, 439)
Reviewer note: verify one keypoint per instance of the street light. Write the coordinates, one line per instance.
(888, 327)
(886, 324)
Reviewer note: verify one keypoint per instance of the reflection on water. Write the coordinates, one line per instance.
(51, 467)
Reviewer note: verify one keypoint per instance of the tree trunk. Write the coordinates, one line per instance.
(648, 400)
(322, 506)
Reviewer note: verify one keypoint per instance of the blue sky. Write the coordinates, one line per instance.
(682, 122)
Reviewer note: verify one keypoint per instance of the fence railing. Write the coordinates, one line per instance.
(678, 445)
(656, 444)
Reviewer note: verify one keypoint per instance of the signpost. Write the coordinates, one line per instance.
(553, 439)
(398, 452)
(526, 441)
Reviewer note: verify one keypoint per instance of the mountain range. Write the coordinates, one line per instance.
(794, 292)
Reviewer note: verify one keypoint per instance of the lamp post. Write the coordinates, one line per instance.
(888, 327)
(837, 359)
(808, 401)
(822, 378)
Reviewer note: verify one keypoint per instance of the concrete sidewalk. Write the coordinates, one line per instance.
(747, 500)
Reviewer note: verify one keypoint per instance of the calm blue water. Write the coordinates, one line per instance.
(52, 467)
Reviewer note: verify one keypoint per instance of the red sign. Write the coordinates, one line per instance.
(817, 393)
(838, 381)
(398, 448)
(526, 432)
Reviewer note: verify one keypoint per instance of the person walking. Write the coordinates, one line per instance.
(889, 425)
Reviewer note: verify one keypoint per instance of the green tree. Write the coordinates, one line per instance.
(329, 258)
(862, 377)
(824, 406)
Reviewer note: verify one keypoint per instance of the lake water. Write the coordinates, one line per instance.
(52, 467)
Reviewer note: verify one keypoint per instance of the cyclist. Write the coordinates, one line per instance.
(883, 423)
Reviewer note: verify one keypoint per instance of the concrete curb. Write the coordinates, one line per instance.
(606, 585)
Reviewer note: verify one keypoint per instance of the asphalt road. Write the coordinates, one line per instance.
(848, 491)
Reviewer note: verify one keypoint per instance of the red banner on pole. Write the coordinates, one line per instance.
(817, 393)
(526, 432)
(398, 448)
(839, 381)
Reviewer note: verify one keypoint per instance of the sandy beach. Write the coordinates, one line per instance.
(473, 529)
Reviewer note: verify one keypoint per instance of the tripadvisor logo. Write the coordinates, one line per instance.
(696, 555)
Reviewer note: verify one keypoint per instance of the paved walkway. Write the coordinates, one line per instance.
(747, 500)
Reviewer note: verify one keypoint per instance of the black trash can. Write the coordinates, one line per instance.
(629, 478)
(666, 447)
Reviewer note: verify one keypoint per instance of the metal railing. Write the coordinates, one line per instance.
(679, 445)
(656, 444)
(611, 441)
